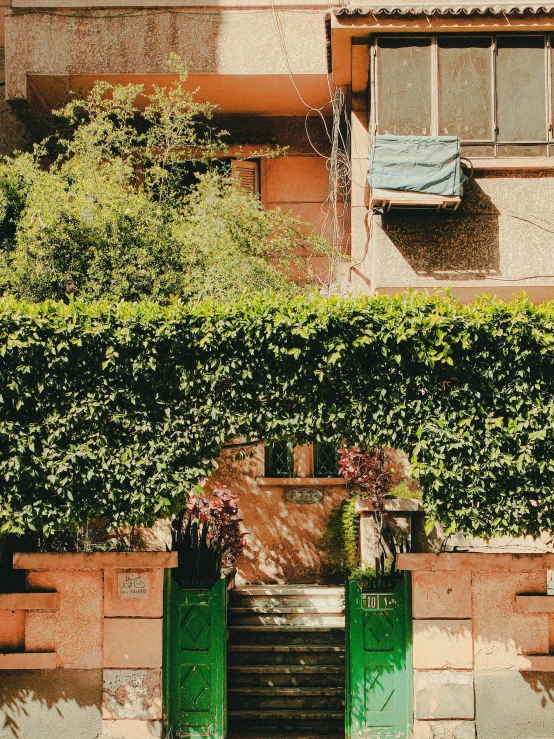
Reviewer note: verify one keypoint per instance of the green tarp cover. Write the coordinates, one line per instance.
(429, 164)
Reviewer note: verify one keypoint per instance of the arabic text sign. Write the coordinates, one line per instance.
(378, 601)
(133, 585)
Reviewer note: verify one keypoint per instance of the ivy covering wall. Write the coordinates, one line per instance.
(114, 410)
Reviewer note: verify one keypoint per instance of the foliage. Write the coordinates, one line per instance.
(139, 201)
(207, 535)
(404, 489)
(117, 410)
(367, 471)
(350, 533)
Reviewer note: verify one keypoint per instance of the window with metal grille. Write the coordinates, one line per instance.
(248, 174)
(326, 460)
(492, 91)
(279, 459)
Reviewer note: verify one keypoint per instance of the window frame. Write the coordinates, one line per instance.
(547, 143)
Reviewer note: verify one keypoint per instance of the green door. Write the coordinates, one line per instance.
(195, 664)
(378, 662)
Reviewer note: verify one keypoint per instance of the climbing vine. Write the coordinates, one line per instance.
(115, 411)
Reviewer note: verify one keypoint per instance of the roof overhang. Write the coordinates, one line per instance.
(351, 26)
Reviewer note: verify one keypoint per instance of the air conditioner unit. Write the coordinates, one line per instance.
(415, 172)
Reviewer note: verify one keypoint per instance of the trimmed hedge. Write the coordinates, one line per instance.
(114, 410)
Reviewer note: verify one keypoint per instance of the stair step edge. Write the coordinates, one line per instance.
(292, 669)
(287, 714)
(293, 648)
(301, 610)
(284, 627)
(281, 691)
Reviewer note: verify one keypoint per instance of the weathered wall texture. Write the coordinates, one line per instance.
(13, 134)
(469, 639)
(503, 231)
(139, 41)
(500, 240)
(284, 540)
(50, 704)
(103, 648)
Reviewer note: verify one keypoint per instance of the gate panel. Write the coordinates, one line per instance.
(195, 660)
(378, 662)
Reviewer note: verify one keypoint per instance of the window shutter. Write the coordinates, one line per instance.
(248, 175)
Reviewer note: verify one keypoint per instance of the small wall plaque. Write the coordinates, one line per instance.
(133, 585)
(378, 602)
(303, 495)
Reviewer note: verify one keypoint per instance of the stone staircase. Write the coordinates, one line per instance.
(286, 660)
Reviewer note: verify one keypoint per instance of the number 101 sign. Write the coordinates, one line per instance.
(378, 601)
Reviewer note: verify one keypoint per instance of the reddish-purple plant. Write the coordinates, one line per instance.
(207, 534)
(366, 471)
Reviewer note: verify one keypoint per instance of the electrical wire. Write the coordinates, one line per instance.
(335, 208)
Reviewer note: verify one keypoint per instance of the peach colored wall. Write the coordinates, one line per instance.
(284, 539)
(78, 617)
(472, 640)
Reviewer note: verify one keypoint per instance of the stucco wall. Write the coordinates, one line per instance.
(471, 639)
(139, 41)
(500, 240)
(503, 231)
(47, 704)
(98, 641)
(284, 540)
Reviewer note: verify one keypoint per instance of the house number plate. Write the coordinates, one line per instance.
(303, 495)
(378, 601)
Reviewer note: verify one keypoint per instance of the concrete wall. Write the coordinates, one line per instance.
(284, 539)
(50, 704)
(96, 634)
(139, 41)
(500, 240)
(472, 637)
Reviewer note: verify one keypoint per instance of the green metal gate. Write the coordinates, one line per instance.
(378, 661)
(195, 664)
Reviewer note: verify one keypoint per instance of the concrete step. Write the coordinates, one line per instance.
(290, 636)
(284, 715)
(309, 620)
(271, 654)
(286, 680)
(289, 590)
(286, 698)
(260, 703)
(296, 692)
(269, 602)
(289, 669)
(286, 609)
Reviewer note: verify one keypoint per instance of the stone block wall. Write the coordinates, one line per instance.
(483, 652)
(81, 653)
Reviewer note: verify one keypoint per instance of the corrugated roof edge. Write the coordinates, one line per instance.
(499, 9)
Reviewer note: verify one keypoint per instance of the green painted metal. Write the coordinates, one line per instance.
(379, 662)
(195, 661)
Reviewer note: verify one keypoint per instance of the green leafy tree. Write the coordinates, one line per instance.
(138, 202)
